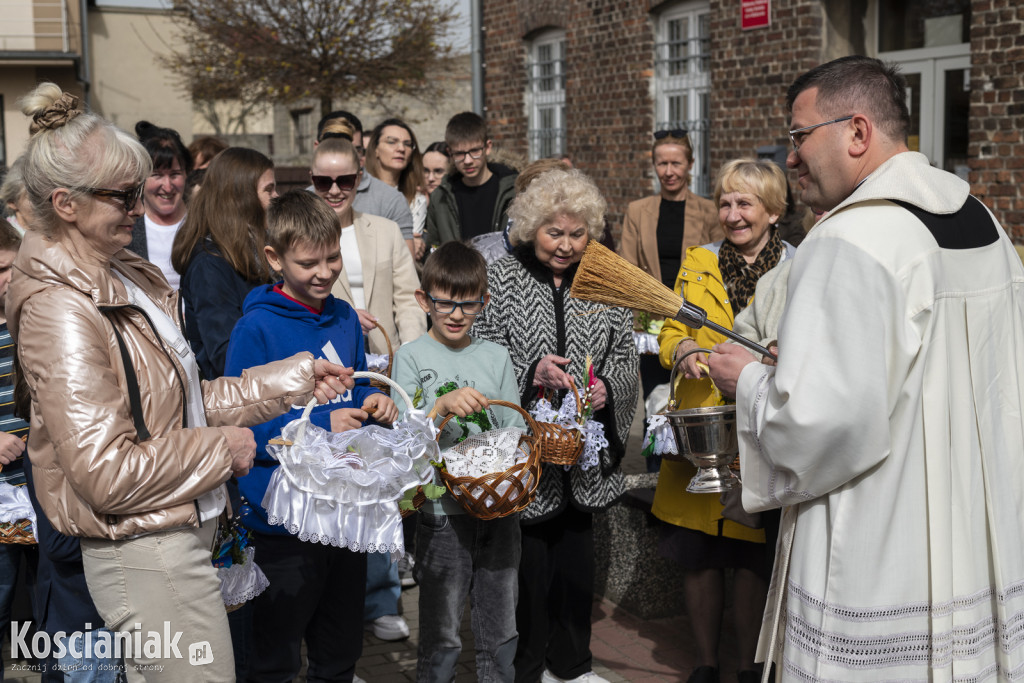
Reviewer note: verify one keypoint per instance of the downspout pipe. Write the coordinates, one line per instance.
(477, 54)
(85, 63)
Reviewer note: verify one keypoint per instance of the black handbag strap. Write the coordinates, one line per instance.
(134, 395)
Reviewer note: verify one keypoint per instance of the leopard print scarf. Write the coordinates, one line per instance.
(741, 277)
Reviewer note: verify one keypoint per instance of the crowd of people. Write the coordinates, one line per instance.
(167, 311)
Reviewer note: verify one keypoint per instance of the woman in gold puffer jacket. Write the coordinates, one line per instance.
(130, 450)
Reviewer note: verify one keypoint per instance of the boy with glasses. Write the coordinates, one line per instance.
(472, 199)
(458, 555)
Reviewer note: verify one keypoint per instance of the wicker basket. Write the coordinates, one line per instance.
(18, 533)
(558, 445)
(522, 477)
(380, 384)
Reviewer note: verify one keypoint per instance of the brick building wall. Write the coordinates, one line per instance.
(609, 110)
(750, 71)
(996, 124)
(610, 62)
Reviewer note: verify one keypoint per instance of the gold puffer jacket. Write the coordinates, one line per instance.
(93, 476)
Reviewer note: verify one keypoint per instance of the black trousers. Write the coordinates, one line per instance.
(316, 593)
(556, 593)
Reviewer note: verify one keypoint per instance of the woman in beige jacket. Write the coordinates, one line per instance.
(657, 230)
(378, 277)
(129, 448)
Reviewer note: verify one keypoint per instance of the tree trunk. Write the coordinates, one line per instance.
(325, 105)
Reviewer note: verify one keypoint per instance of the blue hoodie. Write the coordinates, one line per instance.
(273, 327)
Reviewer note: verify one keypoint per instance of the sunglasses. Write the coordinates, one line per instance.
(128, 198)
(675, 132)
(322, 183)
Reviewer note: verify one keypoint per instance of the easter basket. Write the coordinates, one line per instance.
(343, 489)
(16, 513)
(499, 493)
(389, 361)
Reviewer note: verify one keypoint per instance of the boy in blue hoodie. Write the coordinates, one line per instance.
(316, 591)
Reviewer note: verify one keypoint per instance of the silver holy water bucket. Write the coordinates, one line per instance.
(707, 438)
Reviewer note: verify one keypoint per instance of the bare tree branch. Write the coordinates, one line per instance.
(281, 51)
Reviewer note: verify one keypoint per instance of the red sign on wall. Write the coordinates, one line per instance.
(756, 14)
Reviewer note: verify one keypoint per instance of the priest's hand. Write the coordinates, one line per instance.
(727, 362)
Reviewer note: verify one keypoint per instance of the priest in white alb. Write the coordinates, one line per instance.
(892, 429)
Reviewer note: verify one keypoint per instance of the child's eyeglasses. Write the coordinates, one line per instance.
(322, 183)
(469, 308)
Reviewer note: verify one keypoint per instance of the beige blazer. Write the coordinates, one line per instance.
(639, 242)
(389, 282)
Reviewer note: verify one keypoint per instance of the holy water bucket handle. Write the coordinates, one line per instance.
(672, 377)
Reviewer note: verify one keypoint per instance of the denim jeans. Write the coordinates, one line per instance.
(458, 556)
(383, 587)
(92, 669)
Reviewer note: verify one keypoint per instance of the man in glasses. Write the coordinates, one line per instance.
(890, 431)
(473, 199)
(372, 196)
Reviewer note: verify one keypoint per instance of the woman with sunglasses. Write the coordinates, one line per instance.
(219, 250)
(378, 277)
(657, 230)
(130, 448)
(393, 156)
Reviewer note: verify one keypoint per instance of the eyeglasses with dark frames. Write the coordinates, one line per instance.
(798, 136)
(474, 153)
(128, 198)
(469, 308)
(322, 183)
(674, 132)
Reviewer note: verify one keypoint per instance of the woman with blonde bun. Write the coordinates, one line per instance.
(130, 449)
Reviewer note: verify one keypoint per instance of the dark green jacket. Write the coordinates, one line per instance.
(443, 223)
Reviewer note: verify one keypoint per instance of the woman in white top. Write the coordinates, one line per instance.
(393, 156)
(378, 277)
(164, 197)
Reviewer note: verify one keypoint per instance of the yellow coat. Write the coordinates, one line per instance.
(700, 282)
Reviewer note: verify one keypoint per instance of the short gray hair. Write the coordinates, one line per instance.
(558, 192)
(81, 152)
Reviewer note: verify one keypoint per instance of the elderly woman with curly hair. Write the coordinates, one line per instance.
(549, 336)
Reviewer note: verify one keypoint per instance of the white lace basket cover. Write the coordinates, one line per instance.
(242, 581)
(594, 438)
(343, 489)
(15, 504)
(486, 453)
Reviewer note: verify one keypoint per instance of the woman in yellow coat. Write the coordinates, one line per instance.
(720, 278)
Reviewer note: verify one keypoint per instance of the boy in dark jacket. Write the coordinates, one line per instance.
(316, 591)
(472, 200)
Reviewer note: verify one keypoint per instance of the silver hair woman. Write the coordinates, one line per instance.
(550, 336)
(130, 449)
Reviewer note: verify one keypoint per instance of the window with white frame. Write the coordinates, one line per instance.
(682, 81)
(545, 95)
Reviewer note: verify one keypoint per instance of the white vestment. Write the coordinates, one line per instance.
(893, 429)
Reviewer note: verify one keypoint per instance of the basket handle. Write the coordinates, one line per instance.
(672, 405)
(391, 352)
(359, 374)
(531, 424)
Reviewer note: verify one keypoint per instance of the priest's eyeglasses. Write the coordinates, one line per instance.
(798, 136)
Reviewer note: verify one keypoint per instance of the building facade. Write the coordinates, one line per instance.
(111, 61)
(595, 78)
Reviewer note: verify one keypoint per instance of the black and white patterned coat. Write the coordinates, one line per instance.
(532, 318)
